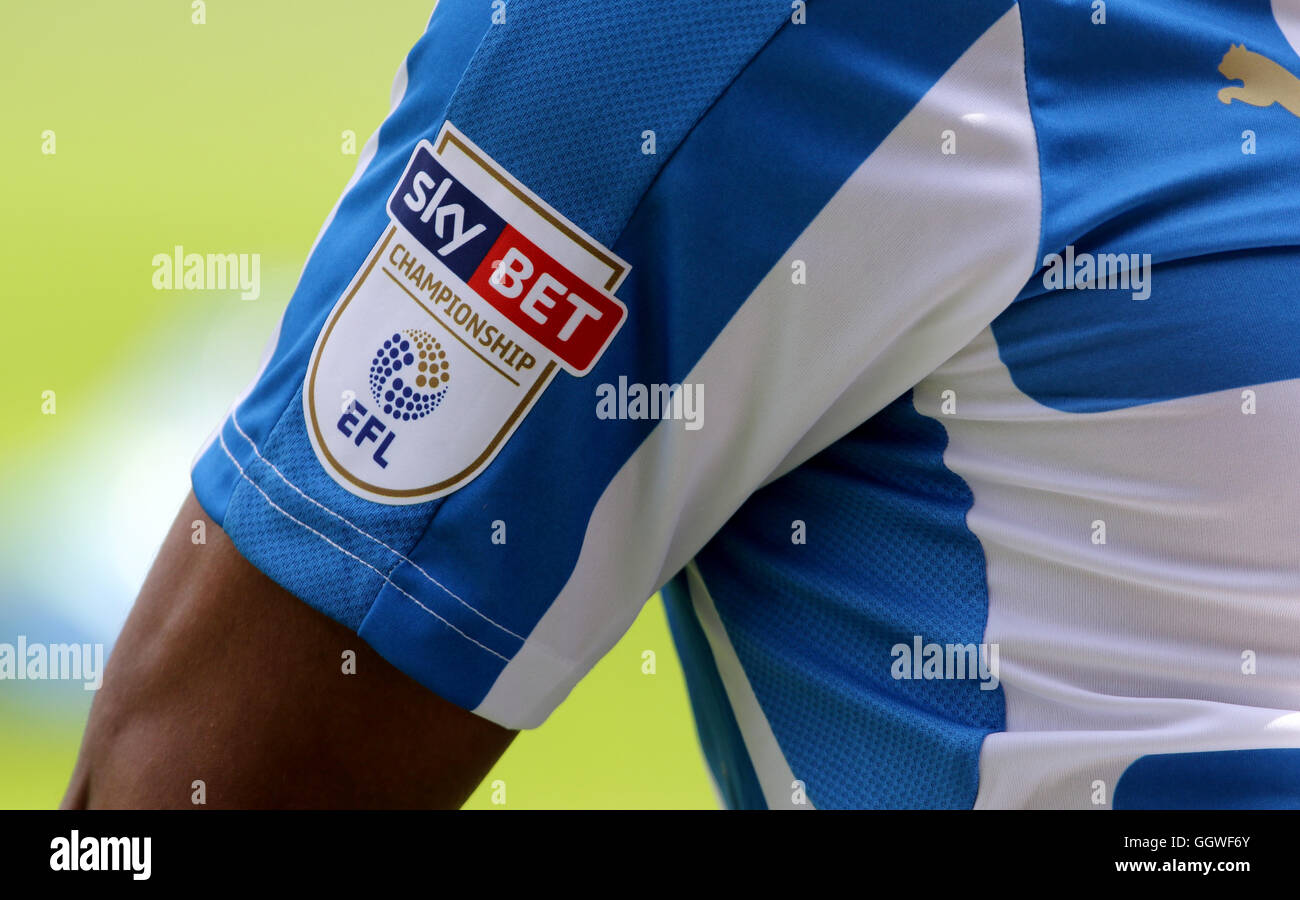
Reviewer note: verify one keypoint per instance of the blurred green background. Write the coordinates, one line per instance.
(221, 137)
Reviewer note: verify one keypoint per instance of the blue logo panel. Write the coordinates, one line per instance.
(444, 215)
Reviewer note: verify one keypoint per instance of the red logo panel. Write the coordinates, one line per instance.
(559, 310)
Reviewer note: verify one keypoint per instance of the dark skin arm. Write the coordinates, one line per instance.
(222, 676)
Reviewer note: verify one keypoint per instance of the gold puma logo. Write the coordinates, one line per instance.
(1263, 82)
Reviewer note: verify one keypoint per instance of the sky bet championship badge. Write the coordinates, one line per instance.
(474, 297)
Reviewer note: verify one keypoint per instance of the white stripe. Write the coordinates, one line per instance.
(1287, 14)
(1116, 650)
(770, 765)
(911, 258)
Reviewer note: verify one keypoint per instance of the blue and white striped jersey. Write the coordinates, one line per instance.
(938, 363)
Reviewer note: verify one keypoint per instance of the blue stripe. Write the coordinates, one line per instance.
(1139, 156)
(887, 557)
(1224, 779)
(561, 94)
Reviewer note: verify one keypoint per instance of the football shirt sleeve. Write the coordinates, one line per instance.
(566, 319)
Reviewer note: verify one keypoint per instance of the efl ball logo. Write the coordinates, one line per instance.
(409, 375)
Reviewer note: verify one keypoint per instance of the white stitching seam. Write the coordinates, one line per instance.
(244, 475)
(234, 420)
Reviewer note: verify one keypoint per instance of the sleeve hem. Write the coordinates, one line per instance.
(413, 620)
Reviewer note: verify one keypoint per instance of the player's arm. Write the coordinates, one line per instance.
(223, 677)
